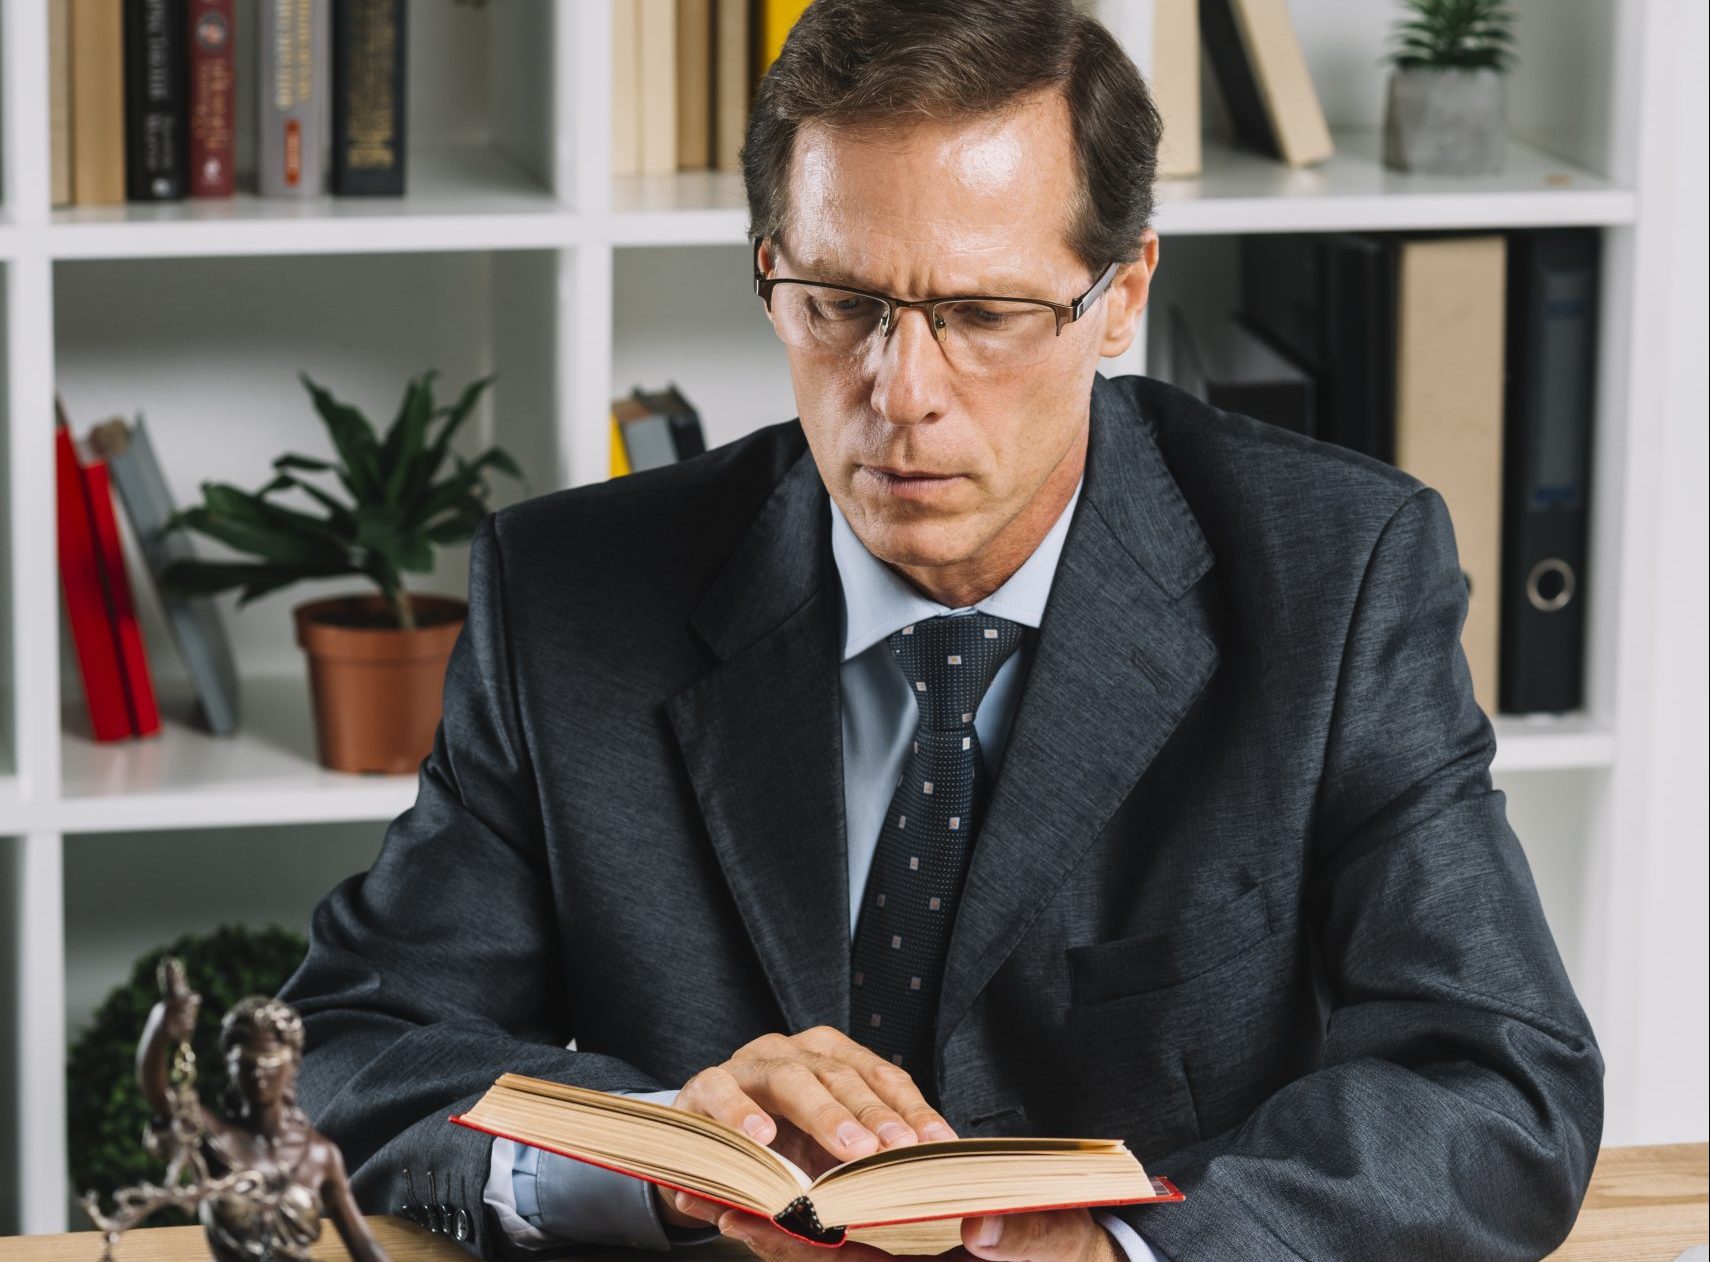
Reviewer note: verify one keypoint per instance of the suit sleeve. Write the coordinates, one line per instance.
(1457, 1106)
(440, 968)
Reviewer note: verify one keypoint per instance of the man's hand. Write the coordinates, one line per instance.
(1054, 1235)
(817, 1097)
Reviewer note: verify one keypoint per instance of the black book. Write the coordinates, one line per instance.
(368, 98)
(687, 438)
(1234, 368)
(156, 66)
(1328, 302)
(1549, 390)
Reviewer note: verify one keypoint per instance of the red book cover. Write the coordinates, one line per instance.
(212, 98)
(85, 603)
(133, 660)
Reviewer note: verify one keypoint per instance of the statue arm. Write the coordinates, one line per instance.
(341, 1208)
(170, 1022)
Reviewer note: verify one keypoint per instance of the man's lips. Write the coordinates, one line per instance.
(909, 475)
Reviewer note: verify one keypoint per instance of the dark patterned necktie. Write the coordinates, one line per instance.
(915, 884)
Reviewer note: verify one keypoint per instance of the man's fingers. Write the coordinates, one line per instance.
(1052, 1235)
(717, 1094)
(796, 1092)
(893, 1084)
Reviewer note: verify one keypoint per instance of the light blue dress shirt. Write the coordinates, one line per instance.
(542, 1199)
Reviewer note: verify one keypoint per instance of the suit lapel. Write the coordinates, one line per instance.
(1119, 660)
(761, 735)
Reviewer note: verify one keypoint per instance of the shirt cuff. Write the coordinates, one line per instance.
(1132, 1245)
(542, 1200)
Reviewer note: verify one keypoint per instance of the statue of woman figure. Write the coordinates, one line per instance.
(274, 1172)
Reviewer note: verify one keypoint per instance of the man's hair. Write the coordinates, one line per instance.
(850, 62)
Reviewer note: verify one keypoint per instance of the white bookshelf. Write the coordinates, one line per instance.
(516, 252)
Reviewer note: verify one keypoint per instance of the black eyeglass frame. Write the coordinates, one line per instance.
(1065, 312)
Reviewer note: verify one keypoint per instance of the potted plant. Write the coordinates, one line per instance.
(376, 660)
(1447, 111)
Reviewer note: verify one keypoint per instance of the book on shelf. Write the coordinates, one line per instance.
(694, 84)
(657, 61)
(1453, 358)
(368, 43)
(1256, 57)
(1233, 368)
(59, 100)
(292, 98)
(155, 34)
(626, 87)
(1327, 301)
(773, 20)
(211, 89)
(194, 621)
(733, 82)
(1162, 38)
(954, 1178)
(1448, 413)
(1549, 405)
(97, 66)
(651, 429)
(117, 685)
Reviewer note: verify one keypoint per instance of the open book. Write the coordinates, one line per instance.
(953, 1178)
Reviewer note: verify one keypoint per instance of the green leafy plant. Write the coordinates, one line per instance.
(1454, 35)
(409, 493)
(105, 1114)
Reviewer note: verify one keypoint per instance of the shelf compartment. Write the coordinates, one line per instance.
(1552, 742)
(265, 773)
(460, 198)
(1239, 191)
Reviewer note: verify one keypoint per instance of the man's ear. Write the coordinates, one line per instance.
(766, 259)
(1126, 298)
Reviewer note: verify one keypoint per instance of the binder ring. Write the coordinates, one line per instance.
(1550, 565)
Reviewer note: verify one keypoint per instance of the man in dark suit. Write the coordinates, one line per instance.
(999, 749)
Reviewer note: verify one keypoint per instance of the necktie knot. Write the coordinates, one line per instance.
(950, 661)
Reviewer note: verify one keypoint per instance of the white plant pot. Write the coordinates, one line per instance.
(1446, 122)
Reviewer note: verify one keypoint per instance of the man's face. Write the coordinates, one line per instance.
(935, 467)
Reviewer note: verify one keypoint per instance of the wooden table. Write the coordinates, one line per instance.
(1644, 1205)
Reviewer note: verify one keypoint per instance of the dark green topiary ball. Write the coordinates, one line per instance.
(106, 1114)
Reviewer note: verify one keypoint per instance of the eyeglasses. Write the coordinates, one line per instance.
(979, 334)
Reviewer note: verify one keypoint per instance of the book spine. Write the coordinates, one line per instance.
(1552, 390)
(97, 102)
(1235, 76)
(368, 98)
(59, 98)
(291, 109)
(694, 84)
(212, 91)
(626, 87)
(1450, 310)
(194, 621)
(133, 659)
(85, 603)
(733, 82)
(154, 100)
(658, 61)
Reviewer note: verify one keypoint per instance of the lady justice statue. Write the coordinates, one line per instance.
(257, 1179)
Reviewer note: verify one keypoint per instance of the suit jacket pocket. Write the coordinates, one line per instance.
(1102, 971)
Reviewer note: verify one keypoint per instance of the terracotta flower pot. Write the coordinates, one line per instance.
(376, 689)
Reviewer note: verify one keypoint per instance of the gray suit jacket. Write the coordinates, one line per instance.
(1244, 897)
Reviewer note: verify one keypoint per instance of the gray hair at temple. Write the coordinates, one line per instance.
(863, 61)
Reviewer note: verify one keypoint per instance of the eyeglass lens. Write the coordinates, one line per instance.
(977, 334)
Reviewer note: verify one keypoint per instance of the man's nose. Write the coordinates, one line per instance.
(912, 380)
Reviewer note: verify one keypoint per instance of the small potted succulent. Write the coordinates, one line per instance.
(1447, 111)
(376, 660)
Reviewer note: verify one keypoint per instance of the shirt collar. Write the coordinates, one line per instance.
(877, 600)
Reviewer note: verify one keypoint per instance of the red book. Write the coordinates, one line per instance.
(133, 660)
(212, 103)
(85, 600)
